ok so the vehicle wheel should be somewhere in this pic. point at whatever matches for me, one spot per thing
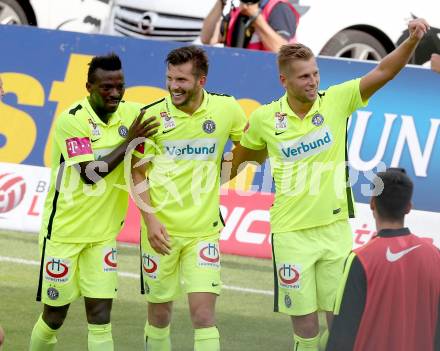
(12, 13)
(354, 44)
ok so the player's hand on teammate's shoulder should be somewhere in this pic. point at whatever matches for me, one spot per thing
(157, 235)
(418, 28)
(145, 129)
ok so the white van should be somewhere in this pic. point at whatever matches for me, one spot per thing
(159, 19)
(76, 15)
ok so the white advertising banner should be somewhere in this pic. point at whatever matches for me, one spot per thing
(422, 223)
(23, 190)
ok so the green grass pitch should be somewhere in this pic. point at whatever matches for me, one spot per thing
(244, 318)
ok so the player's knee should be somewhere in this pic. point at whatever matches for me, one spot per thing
(203, 317)
(159, 316)
(54, 317)
(306, 326)
(98, 316)
(98, 310)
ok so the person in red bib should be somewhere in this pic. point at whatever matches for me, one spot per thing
(255, 24)
(390, 295)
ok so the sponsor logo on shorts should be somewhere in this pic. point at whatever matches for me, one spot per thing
(287, 301)
(150, 265)
(208, 255)
(52, 293)
(56, 270)
(289, 275)
(110, 262)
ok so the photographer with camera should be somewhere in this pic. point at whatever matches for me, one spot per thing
(255, 24)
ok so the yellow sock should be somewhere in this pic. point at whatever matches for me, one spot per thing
(43, 337)
(157, 339)
(206, 339)
(100, 337)
(303, 344)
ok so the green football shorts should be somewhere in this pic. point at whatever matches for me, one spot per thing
(73, 270)
(192, 266)
(308, 265)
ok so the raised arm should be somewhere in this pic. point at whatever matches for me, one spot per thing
(391, 64)
(210, 33)
(278, 29)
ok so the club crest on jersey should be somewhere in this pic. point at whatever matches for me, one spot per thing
(208, 255)
(168, 121)
(289, 275)
(95, 129)
(123, 131)
(56, 270)
(280, 121)
(110, 259)
(317, 119)
(287, 301)
(209, 126)
(52, 293)
(150, 265)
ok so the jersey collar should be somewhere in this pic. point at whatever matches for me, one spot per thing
(285, 107)
(175, 112)
(387, 233)
(114, 118)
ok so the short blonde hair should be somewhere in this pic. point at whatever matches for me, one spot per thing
(292, 52)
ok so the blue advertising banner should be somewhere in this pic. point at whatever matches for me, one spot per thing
(45, 71)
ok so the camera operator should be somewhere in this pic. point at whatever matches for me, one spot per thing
(255, 24)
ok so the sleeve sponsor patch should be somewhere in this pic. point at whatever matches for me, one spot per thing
(78, 146)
